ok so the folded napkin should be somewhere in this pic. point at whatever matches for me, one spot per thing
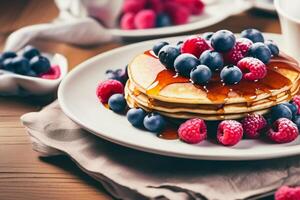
(131, 174)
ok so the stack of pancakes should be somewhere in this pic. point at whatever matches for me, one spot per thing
(154, 88)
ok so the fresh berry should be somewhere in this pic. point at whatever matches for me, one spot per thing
(253, 125)
(193, 131)
(167, 55)
(118, 74)
(287, 193)
(283, 131)
(296, 100)
(260, 51)
(238, 52)
(40, 64)
(8, 54)
(281, 111)
(145, 19)
(229, 132)
(154, 122)
(273, 47)
(179, 14)
(157, 47)
(117, 103)
(136, 116)
(253, 34)
(163, 20)
(254, 68)
(292, 106)
(107, 88)
(194, 45)
(53, 73)
(212, 59)
(296, 120)
(7, 64)
(31, 73)
(223, 41)
(195, 7)
(133, 6)
(231, 74)
(20, 65)
(201, 74)
(207, 36)
(184, 64)
(154, 5)
(30, 51)
(127, 21)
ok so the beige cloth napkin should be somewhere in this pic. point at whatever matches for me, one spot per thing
(131, 174)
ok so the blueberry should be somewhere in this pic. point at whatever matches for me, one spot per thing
(117, 103)
(253, 34)
(20, 65)
(281, 111)
(231, 74)
(273, 47)
(185, 63)
(207, 36)
(223, 40)
(31, 73)
(297, 121)
(292, 106)
(260, 51)
(30, 51)
(7, 64)
(163, 20)
(179, 45)
(154, 122)
(8, 54)
(201, 74)
(119, 75)
(40, 64)
(167, 55)
(157, 47)
(212, 59)
(136, 116)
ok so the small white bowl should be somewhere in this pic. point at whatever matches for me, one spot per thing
(12, 84)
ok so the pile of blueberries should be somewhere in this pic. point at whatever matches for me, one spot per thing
(288, 110)
(28, 61)
(206, 55)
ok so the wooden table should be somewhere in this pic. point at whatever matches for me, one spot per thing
(23, 175)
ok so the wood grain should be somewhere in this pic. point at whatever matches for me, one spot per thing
(23, 175)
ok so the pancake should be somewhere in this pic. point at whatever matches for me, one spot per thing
(152, 79)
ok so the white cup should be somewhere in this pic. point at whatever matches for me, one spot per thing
(289, 15)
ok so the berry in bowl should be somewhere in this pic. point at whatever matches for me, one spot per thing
(30, 72)
(241, 87)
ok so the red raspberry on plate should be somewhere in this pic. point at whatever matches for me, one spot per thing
(283, 131)
(254, 68)
(107, 88)
(155, 5)
(127, 21)
(145, 19)
(296, 100)
(287, 193)
(53, 73)
(193, 131)
(179, 14)
(229, 132)
(238, 52)
(195, 7)
(253, 125)
(195, 45)
(133, 6)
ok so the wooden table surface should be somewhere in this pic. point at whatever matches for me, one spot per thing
(23, 175)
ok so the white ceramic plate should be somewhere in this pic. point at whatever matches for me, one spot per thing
(266, 5)
(215, 11)
(78, 100)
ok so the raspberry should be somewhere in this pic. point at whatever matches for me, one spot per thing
(283, 131)
(257, 69)
(178, 14)
(155, 5)
(145, 19)
(253, 125)
(238, 52)
(54, 73)
(107, 88)
(133, 6)
(287, 193)
(296, 100)
(194, 45)
(193, 131)
(229, 132)
(127, 21)
(195, 7)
